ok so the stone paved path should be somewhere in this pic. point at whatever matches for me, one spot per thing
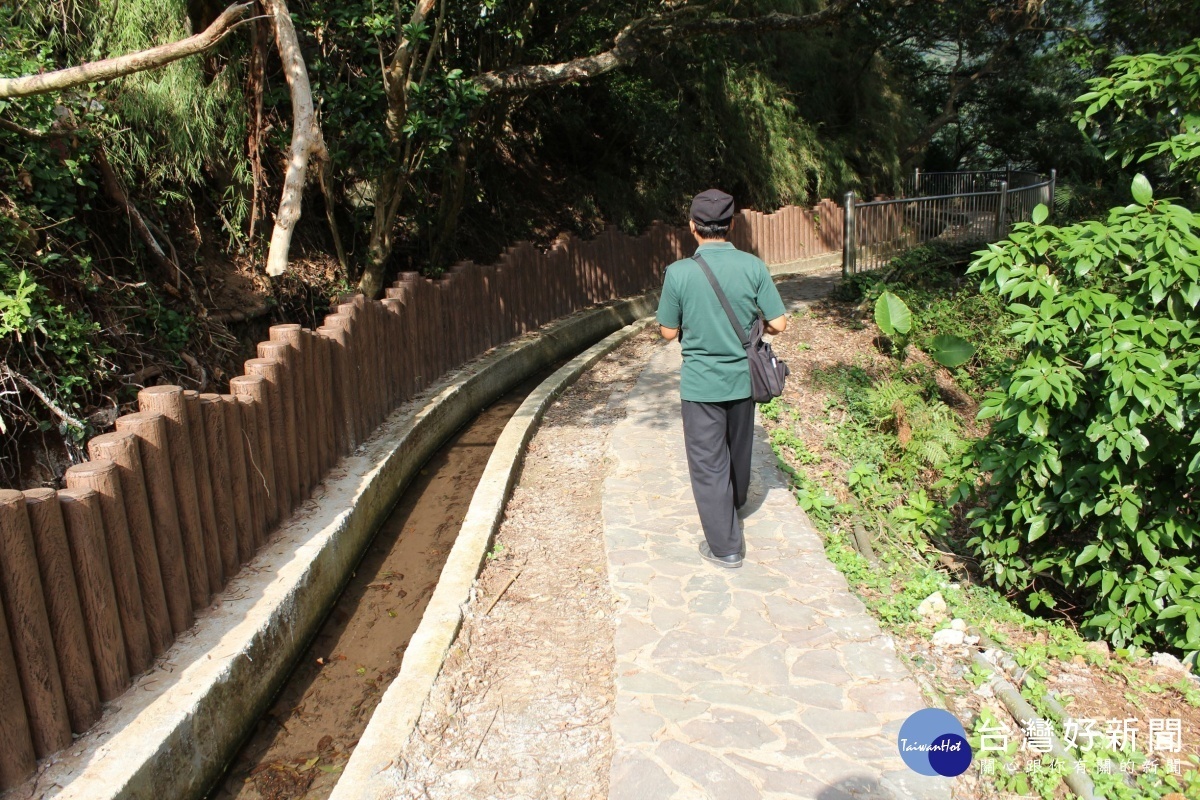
(771, 681)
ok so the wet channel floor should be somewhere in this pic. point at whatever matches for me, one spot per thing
(301, 743)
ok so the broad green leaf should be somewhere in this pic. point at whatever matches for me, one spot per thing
(1037, 528)
(892, 315)
(1142, 193)
(949, 350)
(1040, 213)
(1129, 515)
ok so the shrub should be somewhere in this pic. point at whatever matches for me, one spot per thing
(1095, 443)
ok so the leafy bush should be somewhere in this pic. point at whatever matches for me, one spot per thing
(1095, 444)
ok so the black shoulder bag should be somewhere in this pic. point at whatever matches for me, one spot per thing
(767, 372)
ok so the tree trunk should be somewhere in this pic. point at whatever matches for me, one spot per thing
(306, 136)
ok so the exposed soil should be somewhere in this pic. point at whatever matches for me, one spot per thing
(302, 742)
(521, 707)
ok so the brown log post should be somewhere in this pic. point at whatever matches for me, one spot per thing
(29, 626)
(356, 332)
(306, 452)
(121, 448)
(154, 448)
(288, 458)
(339, 336)
(204, 490)
(63, 612)
(255, 478)
(243, 510)
(102, 477)
(406, 288)
(254, 388)
(393, 339)
(17, 759)
(317, 469)
(168, 401)
(381, 358)
(392, 311)
(97, 598)
(294, 410)
(329, 335)
(368, 373)
(218, 468)
(316, 347)
(447, 329)
(269, 370)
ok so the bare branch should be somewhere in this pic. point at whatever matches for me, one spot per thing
(639, 35)
(109, 68)
(45, 398)
(30, 133)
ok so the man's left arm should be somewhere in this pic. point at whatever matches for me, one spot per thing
(669, 313)
(770, 303)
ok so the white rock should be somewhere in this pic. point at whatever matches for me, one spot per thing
(1167, 660)
(984, 691)
(971, 640)
(462, 779)
(948, 638)
(933, 605)
(958, 625)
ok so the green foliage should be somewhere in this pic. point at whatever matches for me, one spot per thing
(1095, 439)
(1154, 111)
(56, 348)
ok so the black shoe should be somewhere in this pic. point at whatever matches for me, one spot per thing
(732, 561)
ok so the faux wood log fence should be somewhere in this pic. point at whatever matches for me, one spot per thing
(97, 580)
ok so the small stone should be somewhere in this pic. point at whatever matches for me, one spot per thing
(1167, 660)
(948, 638)
(932, 606)
(461, 779)
(971, 640)
(958, 624)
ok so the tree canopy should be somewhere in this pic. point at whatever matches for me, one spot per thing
(441, 131)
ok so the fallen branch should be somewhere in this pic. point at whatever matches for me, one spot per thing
(143, 375)
(500, 594)
(17, 377)
(109, 68)
(118, 195)
(240, 316)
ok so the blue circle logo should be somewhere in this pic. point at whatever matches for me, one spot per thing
(933, 742)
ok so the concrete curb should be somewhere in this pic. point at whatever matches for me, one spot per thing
(173, 732)
(803, 266)
(372, 771)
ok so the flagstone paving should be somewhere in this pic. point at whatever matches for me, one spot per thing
(769, 681)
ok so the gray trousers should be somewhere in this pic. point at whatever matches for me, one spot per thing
(719, 438)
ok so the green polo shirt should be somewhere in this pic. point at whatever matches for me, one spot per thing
(714, 362)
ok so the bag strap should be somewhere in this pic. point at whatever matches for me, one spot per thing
(737, 326)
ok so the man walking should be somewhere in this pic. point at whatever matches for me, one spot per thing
(714, 384)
